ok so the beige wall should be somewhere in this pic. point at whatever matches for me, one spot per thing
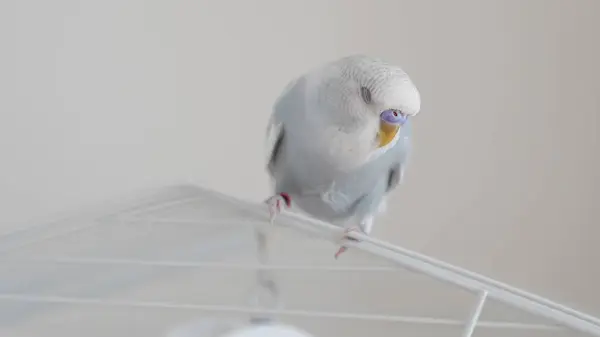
(98, 98)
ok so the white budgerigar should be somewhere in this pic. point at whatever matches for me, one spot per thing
(339, 140)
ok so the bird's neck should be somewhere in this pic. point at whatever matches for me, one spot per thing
(345, 146)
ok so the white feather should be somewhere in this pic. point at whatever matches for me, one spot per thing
(331, 132)
(341, 124)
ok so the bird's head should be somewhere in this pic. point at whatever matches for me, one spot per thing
(365, 90)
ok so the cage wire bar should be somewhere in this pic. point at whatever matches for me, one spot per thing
(479, 284)
(485, 288)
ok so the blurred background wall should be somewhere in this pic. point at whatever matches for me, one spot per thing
(101, 98)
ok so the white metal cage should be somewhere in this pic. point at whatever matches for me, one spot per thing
(176, 257)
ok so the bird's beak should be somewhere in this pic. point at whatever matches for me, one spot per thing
(387, 132)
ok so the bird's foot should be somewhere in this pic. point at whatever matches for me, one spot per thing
(346, 237)
(276, 203)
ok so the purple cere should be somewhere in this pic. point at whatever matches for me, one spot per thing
(394, 117)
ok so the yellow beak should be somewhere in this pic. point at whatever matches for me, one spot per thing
(387, 132)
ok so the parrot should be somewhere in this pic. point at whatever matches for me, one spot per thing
(339, 139)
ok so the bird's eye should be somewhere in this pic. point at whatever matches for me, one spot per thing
(395, 113)
(366, 94)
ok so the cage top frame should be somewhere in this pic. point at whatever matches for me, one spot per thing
(486, 288)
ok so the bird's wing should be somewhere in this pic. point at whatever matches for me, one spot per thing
(286, 111)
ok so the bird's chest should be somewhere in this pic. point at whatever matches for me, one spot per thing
(335, 193)
(335, 148)
(330, 191)
(331, 201)
(330, 179)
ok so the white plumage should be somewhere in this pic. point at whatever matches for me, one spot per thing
(328, 150)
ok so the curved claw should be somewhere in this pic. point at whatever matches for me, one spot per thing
(275, 204)
(340, 251)
(345, 237)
